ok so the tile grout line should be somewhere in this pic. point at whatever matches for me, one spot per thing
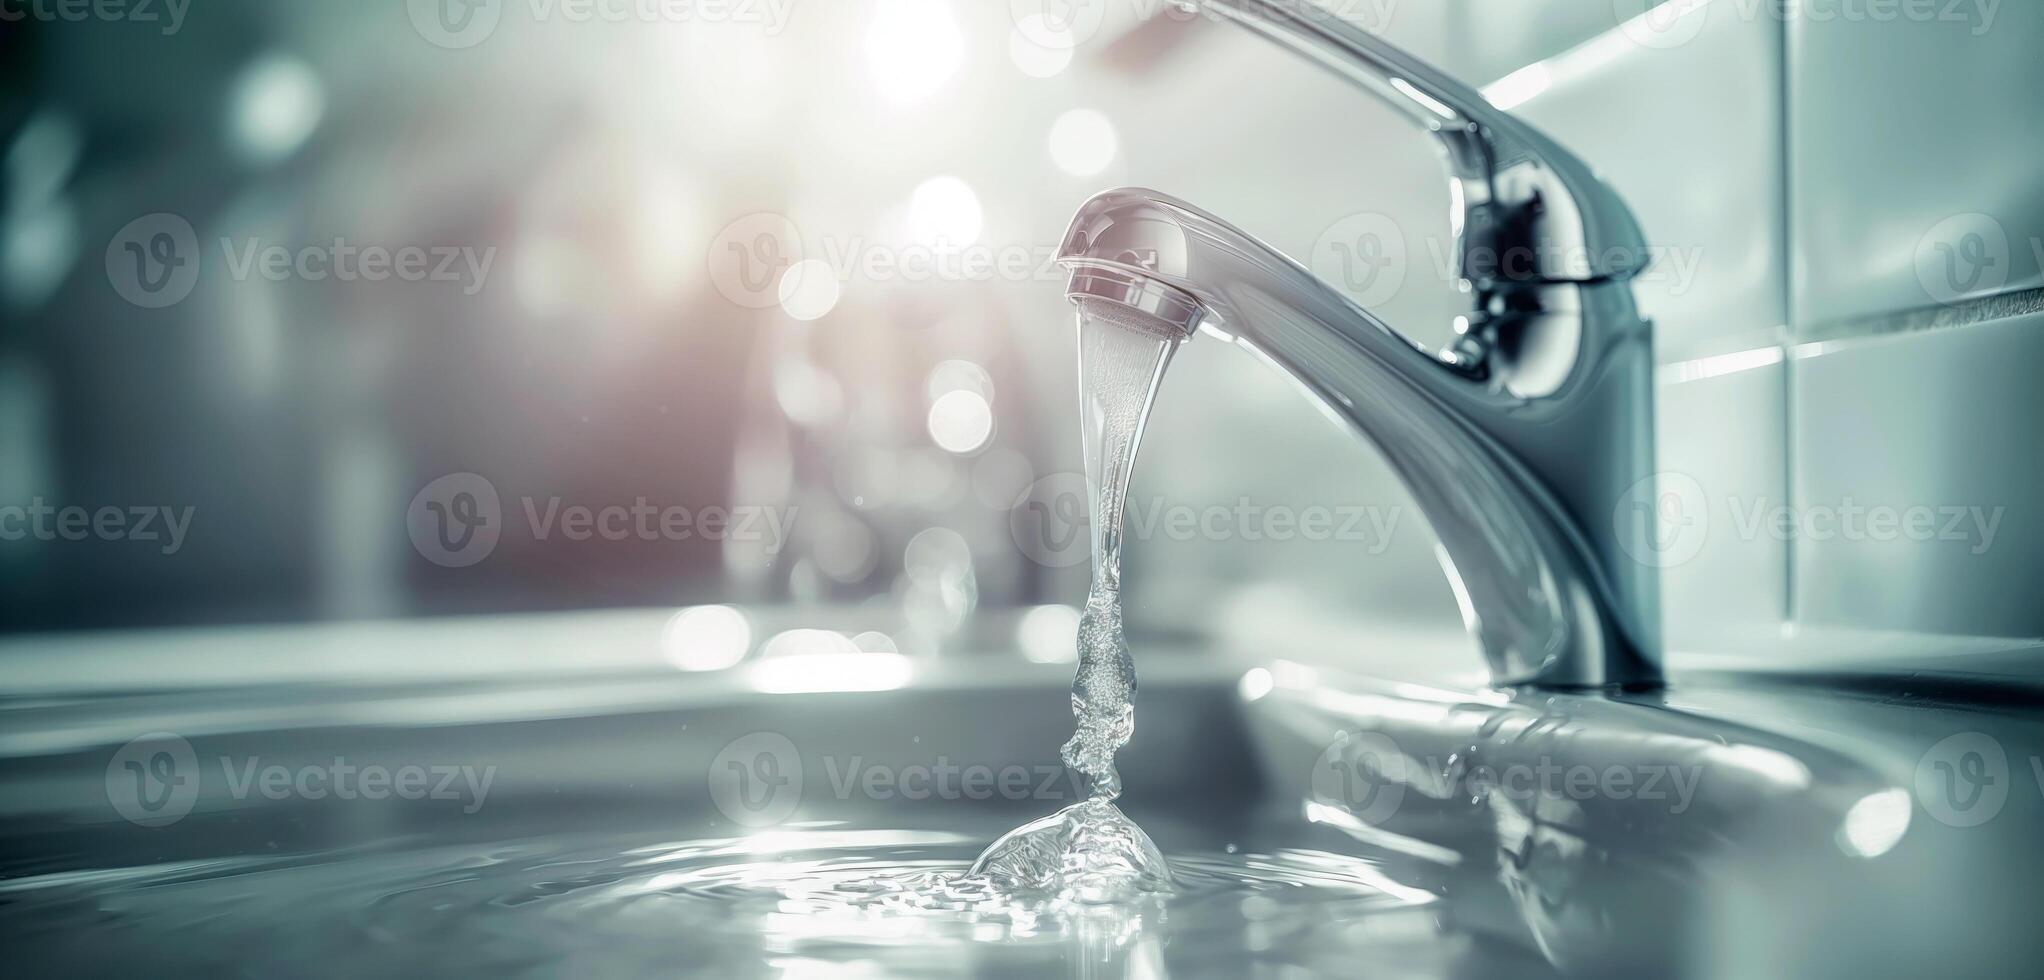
(1786, 230)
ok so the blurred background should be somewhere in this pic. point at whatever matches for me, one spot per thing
(792, 263)
(419, 309)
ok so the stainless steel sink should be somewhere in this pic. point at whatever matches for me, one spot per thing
(1725, 826)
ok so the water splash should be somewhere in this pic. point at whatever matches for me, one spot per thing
(1088, 853)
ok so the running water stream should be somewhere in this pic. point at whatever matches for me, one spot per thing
(1090, 852)
(1088, 857)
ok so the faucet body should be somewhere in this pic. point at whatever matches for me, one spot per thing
(1529, 443)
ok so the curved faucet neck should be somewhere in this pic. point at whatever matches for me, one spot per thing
(1529, 443)
(1528, 493)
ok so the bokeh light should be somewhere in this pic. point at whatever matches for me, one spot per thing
(706, 638)
(961, 422)
(1083, 142)
(945, 211)
(276, 105)
(809, 290)
(1049, 634)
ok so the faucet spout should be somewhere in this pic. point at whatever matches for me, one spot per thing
(1529, 444)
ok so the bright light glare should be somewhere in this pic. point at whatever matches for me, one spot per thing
(813, 673)
(809, 290)
(1049, 635)
(961, 422)
(706, 638)
(1257, 683)
(912, 48)
(1876, 823)
(277, 103)
(1041, 48)
(1770, 764)
(1515, 89)
(809, 661)
(945, 211)
(1083, 142)
(1717, 366)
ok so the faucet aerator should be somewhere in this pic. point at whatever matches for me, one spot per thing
(1135, 302)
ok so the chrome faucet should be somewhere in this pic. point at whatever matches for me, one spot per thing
(1529, 442)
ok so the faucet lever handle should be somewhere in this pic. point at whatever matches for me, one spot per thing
(1529, 211)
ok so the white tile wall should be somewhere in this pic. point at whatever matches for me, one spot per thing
(1916, 192)
(1902, 128)
(1486, 39)
(1724, 432)
(1690, 134)
(1932, 434)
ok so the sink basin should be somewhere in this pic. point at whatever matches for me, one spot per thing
(617, 816)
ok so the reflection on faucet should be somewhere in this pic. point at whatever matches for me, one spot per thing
(1523, 443)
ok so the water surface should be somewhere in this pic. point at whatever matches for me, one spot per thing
(823, 901)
